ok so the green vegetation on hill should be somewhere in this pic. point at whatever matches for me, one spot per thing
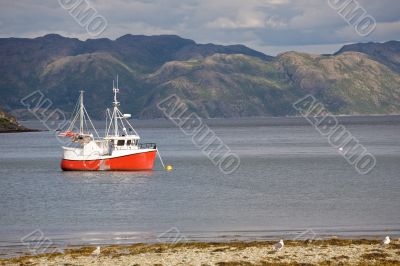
(214, 80)
(8, 123)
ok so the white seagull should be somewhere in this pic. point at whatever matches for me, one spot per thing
(386, 241)
(341, 149)
(96, 252)
(278, 246)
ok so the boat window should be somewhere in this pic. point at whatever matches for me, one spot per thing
(121, 142)
(128, 142)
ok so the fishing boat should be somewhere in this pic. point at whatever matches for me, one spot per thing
(119, 150)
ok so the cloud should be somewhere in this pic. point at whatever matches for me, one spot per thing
(263, 24)
(247, 21)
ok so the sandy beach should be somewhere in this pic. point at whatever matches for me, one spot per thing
(318, 252)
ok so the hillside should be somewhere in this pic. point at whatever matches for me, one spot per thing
(387, 53)
(239, 85)
(214, 80)
(8, 123)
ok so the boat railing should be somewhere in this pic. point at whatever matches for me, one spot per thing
(147, 146)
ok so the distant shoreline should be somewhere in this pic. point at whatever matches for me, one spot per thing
(21, 131)
(248, 121)
(295, 252)
(9, 124)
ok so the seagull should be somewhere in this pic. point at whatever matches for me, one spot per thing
(386, 241)
(278, 246)
(341, 149)
(96, 252)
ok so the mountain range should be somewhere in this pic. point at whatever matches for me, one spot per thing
(213, 80)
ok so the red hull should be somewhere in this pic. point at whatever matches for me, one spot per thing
(133, 162)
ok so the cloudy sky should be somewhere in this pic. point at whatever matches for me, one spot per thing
(271, 26)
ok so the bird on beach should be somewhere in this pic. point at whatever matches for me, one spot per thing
(96, 252)
(278, 246)
(386, 241)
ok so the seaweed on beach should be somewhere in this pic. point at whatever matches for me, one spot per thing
(374, 255)
(295, 253)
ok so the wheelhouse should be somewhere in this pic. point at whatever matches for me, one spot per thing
(124, 142)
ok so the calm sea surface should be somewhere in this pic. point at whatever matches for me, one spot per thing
(290, 181)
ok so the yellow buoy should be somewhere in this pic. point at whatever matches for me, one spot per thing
(169, 167)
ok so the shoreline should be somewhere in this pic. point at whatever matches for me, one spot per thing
(250, 121)
(21, 131)
(332, 251)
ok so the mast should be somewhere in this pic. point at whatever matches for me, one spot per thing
(81, 113)
(115, 112)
